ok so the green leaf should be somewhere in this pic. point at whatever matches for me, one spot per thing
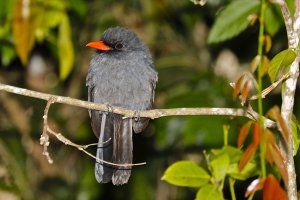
(273, 20)
(232, 20)
(248, 171)
(50, 15)
(209, 192)
(186, 173)
(7, 55)
(280, 63)
(234, 153)
(295, 126)
(65, 48)
(219, 166)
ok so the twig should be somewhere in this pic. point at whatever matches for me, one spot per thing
(44, 140)
(66, 141)
(269, 89)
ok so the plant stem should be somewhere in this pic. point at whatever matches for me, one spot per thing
(259, 89)
(231, 185)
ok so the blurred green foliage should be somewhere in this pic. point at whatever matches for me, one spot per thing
(55, 61)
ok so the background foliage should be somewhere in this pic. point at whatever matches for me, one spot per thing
(46, 51)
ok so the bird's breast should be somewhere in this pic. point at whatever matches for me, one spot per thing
(126, 84)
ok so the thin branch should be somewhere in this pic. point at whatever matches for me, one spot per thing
(297, 17)
(66, 141)
(44, 139)
(269, 89)
(127, 113)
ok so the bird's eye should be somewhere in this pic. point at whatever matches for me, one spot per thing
(119, 46)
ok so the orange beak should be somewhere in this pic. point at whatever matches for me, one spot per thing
(99, 45)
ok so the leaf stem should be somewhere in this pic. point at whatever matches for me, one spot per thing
(260, 105)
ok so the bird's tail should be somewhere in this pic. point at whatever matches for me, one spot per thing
(103, 171)
(122, 150)
(115, 146)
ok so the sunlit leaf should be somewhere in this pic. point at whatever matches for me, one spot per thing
(250, 151)
(248, 171)
(232, 20)
(267, 43)
(243, 133)
(186, 173)
(234, 153)
(209, 192)
(280, 62)
(49, 15)
(65, 48)
(272, 190)
(219, 166)
(22, 30)
(254, 186)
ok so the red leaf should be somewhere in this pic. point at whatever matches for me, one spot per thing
(238, 86)
(254, 186)
(269, 141)
(283, 128)
(245, 91)
(243, 133)
(256, 134)
(247, 155)
(273, 154)
(272, 190)
(280, 162)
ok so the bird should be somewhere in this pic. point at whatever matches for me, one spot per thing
(121, 73)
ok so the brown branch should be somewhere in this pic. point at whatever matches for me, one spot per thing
(127, 113)
(269, 89)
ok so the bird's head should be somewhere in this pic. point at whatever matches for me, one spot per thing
(117, 39)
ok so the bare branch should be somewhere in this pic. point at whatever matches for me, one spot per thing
(66, 141)
(269, 89)
(155, 113)
(297, 17)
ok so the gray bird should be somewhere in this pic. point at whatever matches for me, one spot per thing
(121, 73)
